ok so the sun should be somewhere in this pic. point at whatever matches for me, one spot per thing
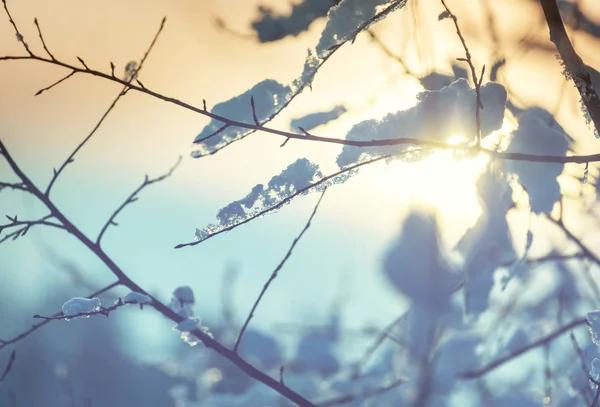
(441, 181)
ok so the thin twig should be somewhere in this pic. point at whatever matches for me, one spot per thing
(10, 185)
(39, 92)
(276, 271)
(9, 365)
(20, 37)
(473, 374)
(26, 225)
(476, 81)
(37, 25)
(4, 343)
(126, 85)
(367, 394)
(385, 333)
(132, 198)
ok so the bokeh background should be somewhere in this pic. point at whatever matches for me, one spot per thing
(335, 270)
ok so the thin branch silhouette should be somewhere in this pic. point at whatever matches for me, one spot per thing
(580, 159)
(133, 197)
(276, 272)
(473, 374)
(122, 93)
(9, 365)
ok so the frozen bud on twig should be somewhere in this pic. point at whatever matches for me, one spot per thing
(77, 306)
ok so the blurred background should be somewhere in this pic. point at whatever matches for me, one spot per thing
(331, 298)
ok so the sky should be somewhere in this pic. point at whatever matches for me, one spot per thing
(341, 254)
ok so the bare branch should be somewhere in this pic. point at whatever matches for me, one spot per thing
(25, 226)
(10, 185)
(37, 25)
(276, 271)
(39, 92)
(9, 365)
(473, 374)
(132, 198)
(348, 398)
(476, 81)
(20, 37)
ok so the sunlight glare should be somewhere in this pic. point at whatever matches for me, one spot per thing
(440, 181)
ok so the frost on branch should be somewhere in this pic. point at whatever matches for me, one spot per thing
(593, 321)
(349, 18)
(436, 116)
(488, 244)
(313, 120)
(269, 95)
(416, 267)
(295, 177)
(77, 306)
(539, 134)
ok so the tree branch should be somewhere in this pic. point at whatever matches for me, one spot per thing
(123, 279)
(132, 198)
(275, 273)
(473, 374)
(575, 68)
(126, 85)
(37, 326)
(9, 365)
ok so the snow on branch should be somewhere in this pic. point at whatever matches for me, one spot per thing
(296, 177)
(437, 115)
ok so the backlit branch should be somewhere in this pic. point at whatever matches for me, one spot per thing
(580, 159)
(275, 273)
(24, 226)
(133, 197)
(476, 80)
(473, 374)
(126, 84)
